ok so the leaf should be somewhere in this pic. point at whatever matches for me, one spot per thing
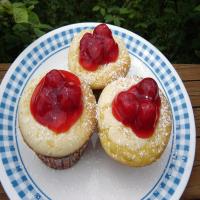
(117, 21)
(96, 8)
(18, 5)
(141, 25)
(108, 18)
(31, 7)
(1, 9)
(33, 18)
(20, 15)
(31, 2)
(44, 26)
(170, 11)
(132, 15)
(103, 11)
(197, 8)
(18, 28)
(38, 32)
(113, 9)
(5, 3)
(6, 6)
(124, 11)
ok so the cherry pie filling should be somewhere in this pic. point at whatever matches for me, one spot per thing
(57, 100)
(139, 107)
(98, 48)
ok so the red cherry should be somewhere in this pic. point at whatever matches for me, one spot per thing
(133, 90)
(44, 105)
(91, 52)
(58, 122)
(148, 89)
(111, 50)
(69, 97)
(95, 50)
(102, 30)
(85, 38)
(127, 107)
(53, 78)
(69, 78)
(146, 116)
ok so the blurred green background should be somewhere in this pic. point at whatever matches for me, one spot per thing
(173, 26)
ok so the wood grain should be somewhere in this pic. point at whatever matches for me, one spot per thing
(197, 120)
(190, 74)
(193, 89)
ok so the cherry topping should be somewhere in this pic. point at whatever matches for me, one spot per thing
(69, 97)
(138, 107)
(110, 50)
(53, 79)
(57, 100)
(98, 48)
(148, 89)
(146, 115)
(91, 52)
(128, 107)
(102, 30)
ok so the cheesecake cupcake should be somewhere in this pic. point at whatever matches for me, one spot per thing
(135, 121)
(98, 57)
(57, 116)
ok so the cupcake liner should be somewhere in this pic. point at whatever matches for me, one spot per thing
(63, 162)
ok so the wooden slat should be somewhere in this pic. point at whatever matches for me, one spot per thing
(186, 71)
(2, 73)
(3, 195)
(192, 190)
(3, 69)
(1, 189)
(4, 66)
(197, 154)
(193, 89)
(197, 121)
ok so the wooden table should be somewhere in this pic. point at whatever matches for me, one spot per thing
(190, 74)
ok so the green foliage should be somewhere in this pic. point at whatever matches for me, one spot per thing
(171, 25)
(19, 26)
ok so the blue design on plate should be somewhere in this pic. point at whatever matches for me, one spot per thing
(9, 153)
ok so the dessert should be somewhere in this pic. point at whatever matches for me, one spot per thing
(98, 57)
(57, 116)
(134, 119)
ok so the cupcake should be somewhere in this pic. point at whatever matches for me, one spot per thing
(135, 121)
(98, 57)
(57, 117)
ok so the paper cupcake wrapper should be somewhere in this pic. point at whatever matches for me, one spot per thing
(63, 162)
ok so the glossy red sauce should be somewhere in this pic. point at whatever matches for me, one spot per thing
(139, 107)
(57, 100)
(98, 48)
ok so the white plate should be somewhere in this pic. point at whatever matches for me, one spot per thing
(95, 176)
